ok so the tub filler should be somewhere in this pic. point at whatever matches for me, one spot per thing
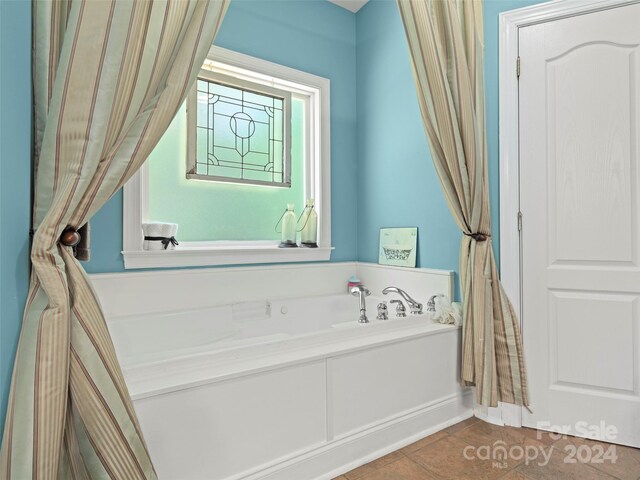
(292, 389)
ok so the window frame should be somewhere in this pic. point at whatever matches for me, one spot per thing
(315, 91)
(233, 82)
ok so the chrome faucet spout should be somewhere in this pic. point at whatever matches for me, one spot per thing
(414, 306)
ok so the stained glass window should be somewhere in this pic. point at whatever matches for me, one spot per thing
(241, 133)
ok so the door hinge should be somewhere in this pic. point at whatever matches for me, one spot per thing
(518, 67)
(519, 221)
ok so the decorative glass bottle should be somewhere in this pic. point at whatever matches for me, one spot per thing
(288, 228)
(309, 219)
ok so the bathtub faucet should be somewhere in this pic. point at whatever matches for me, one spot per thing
(414, 307)
(362, 292)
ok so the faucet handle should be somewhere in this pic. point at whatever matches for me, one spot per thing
(382, 311)
(431, 304)
(400, 309)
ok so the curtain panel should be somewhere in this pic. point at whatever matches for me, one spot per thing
(108, 78)
(446, 46)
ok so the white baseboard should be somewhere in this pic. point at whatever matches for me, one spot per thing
(505, 414)
(344, 454)
(491, 415)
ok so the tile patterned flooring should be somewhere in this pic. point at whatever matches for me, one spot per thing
(441, 457)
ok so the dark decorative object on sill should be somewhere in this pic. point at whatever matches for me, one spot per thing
(165, 241)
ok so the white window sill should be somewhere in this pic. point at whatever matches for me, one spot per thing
(199, 256)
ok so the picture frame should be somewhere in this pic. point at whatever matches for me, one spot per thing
(398, 246)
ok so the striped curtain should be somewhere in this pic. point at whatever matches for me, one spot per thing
(446, 43)
(109, 76)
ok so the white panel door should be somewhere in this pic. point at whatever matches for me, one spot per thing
(579, 178)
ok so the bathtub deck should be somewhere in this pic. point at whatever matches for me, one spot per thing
(440, 457)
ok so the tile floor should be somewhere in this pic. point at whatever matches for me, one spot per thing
(441, 456)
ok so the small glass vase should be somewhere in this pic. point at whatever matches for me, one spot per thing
(289, 222)
(309, 220)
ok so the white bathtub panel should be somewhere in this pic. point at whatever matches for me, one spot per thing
(340, 456)
(376, 384)
(218, 430)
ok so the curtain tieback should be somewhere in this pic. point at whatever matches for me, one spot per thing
(70, 237)
(165, 241)
(478, 237)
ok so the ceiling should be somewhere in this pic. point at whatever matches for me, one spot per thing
(351, 5)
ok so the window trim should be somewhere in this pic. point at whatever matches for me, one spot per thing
(316, 91)
(216, 77)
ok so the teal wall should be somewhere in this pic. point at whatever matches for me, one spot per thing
(397, 186)
(397, 183)
(310, 35)
(382, 168)
(15, 183)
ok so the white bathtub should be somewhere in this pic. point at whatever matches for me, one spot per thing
(238, 325)
(230, 392)
(292, 389)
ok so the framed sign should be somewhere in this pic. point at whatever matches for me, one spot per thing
(398, 246)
